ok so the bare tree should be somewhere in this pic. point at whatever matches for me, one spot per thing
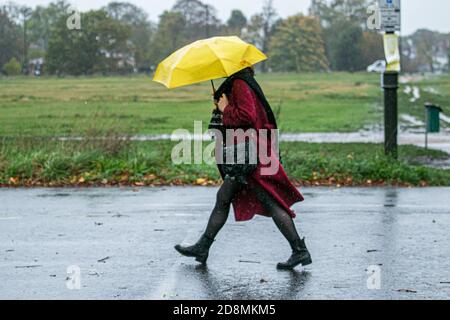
(201, 19)
(269, 17)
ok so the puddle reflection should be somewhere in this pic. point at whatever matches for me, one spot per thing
(284, 285)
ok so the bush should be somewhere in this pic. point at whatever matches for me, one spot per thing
(12, 68)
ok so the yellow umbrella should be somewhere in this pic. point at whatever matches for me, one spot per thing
(208, 59)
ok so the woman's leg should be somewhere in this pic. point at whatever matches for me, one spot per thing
(282, 219)
(219, 215)
(286, 225)
(217, 220)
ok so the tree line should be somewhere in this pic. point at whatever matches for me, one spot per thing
(120, 37)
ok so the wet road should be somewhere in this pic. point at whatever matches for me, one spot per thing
(122, 241)
(437, 141)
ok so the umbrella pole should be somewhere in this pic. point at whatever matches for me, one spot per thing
(214, 93)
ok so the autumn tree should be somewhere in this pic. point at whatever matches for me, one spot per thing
(10, 39)
(200, 19)
(142, 30)
(329, 12)
(371, 48)
(261, 27)
(344, 46)
(100, 46)
(427, 48)
(236, 23)
(42, 20)
(425, 51)
(348, 46)
(298, 46)
(169, 36)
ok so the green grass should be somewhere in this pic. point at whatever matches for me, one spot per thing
(440, 84)
(67, 107)
(114, 107)
(37, 163)
(335, 102)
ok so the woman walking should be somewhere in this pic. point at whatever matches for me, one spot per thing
(244, 106)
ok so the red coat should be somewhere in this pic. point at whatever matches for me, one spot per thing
(246, 110)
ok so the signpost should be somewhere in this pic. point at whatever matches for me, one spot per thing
(390, 15)
(390, 22)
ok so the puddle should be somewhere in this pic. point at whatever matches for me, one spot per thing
(56, 195)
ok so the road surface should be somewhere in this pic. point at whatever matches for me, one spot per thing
(118, 244)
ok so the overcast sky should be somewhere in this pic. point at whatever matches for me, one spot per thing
(431, 14)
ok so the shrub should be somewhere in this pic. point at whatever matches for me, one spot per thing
(12, 68)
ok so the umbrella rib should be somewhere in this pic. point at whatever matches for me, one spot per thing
(180, 57)
(220, 60)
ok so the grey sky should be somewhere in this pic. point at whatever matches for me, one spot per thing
(431, 14)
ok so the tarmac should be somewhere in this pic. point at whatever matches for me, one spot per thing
(117, 243)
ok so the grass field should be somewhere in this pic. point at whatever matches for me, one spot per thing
(337, 102)
(434, 89)
(114, 107)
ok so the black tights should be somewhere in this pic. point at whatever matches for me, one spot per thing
(221, 211)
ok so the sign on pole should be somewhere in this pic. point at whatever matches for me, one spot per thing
(392, 52)
(390, 15)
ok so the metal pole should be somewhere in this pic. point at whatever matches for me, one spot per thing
(390, 86)
(26, 12)
(426, 129)
(25, 51)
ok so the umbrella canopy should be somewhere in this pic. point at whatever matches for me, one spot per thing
(208, 59)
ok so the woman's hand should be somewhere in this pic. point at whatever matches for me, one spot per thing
(223, 103)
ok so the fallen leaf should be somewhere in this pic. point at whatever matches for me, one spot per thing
(406, 290)
(150, 177)
(103, 260)
(14, 180)
(247, 261)
(200, 181)
(28, 267)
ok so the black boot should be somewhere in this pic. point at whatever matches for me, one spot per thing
(200, 250)
(300, 255)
